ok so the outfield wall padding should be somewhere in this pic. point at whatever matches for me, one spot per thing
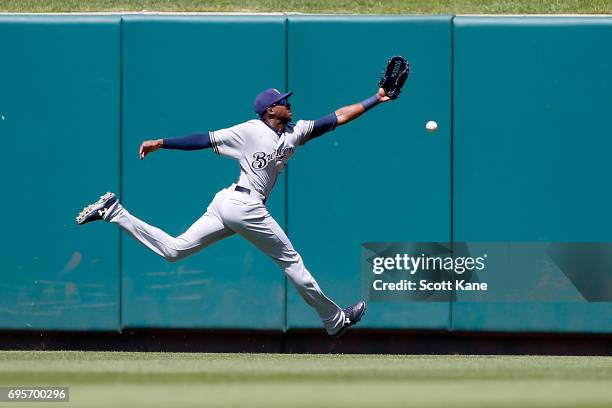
(522, 105)
(532, 133)
(381, 178)
(59, 124)
(183, 75)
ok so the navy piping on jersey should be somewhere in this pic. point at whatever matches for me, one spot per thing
(308, 132)
(214, 142)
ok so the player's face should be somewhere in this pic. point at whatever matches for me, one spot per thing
(282, 110)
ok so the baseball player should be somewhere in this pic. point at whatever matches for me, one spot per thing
(262, 147)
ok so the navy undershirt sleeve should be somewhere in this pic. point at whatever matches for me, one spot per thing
(194, 141)
(323, 125)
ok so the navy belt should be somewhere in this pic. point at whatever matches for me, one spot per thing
(245, 191)
(242, 189)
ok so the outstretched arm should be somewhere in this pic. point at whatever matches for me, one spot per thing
(348, 113)
(195, 141)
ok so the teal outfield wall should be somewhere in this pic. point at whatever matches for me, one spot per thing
(354, 184)
(532, 130)
(520, 155)
(60, 128)
(179, 77)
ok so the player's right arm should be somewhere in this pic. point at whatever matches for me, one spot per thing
(194, 141)
(225, 142)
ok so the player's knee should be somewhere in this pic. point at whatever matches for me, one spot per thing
(178, 250)
(173, 255)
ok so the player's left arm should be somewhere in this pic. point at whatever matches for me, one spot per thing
(351, 112)
(346, 114)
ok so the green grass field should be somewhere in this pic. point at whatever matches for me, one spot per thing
(318, 6)
(272, 380)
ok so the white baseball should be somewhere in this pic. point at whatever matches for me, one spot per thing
(431, 126)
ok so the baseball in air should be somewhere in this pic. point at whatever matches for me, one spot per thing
(431, 126)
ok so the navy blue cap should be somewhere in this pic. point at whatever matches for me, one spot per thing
(267, 98)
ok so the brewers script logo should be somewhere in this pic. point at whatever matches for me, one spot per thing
(262, 159)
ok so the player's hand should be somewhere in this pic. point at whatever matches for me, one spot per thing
(382, 97)
(149, 146)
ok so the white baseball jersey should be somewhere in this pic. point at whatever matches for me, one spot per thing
(261, 152)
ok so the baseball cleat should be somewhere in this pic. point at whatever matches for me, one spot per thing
(352, 315)
(98, 210)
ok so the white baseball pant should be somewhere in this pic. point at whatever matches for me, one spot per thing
(235, 212)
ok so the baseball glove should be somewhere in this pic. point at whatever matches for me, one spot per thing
(395, 76)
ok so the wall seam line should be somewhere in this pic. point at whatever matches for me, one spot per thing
(452, 163)
(120, 170)
(286, 26)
